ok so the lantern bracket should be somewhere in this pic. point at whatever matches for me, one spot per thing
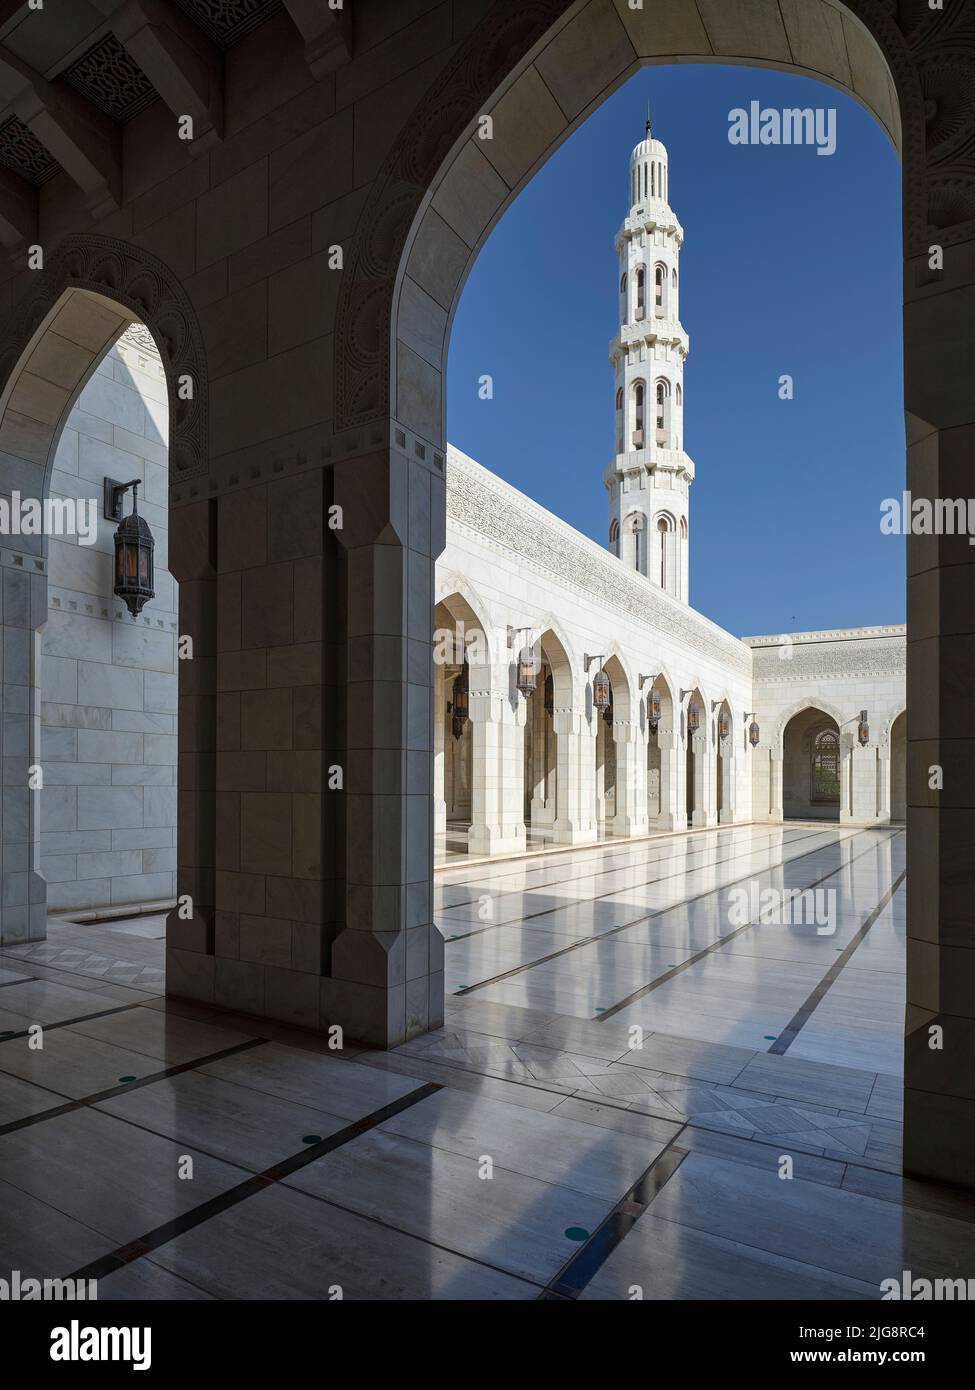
(588, 660)
(113, 493)
(513, 633)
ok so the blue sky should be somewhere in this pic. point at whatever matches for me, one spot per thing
(791, 264)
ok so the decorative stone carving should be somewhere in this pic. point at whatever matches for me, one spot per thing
(513, 523)
(111, 79)
(929, 54)
(226, 21)
(141, 283)
(21, 151)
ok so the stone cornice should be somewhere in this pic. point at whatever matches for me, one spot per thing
(494, 511)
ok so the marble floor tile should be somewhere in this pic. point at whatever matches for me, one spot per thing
(283, 1244)
(514, 1223)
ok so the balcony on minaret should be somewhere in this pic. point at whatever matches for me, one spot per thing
(638, 439)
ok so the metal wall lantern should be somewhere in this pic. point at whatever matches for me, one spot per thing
(527, 672)
(134, 546)
(526, 680)
(460, 704)
(724, 724)
(863, 729)
(693, 718)
(753, 734)
(602, 693)
(655, 708)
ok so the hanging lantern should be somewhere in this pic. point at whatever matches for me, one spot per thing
(461, 701)
(550, 694)
(601, 691)
(863, 729)
(724, 724)
(526, 671)
(134, 546)
(693, 718)
(654, 708)
(753, 734)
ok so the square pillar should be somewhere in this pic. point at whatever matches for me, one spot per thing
(497, 714)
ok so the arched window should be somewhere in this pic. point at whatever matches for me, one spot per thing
(658, 286)
(824, 779)
(662, 533)
(637, 526)
(623, 283)
(638, 407)
(673, 281)
(680, 395)
(683, 528)
(619, 399)
(660, 405)
(640, 292)
(614, 538)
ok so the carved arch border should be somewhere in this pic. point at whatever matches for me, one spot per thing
(140, 282)
(929, 56)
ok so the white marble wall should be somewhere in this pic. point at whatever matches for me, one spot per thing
(108, 681)
(508, 562)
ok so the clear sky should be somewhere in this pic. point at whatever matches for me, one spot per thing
(791, 264)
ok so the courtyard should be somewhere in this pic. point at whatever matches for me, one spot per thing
(631, 1097)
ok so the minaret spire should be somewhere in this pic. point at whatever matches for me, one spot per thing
(648, 479)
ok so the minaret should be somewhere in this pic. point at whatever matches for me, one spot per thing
(648, 479)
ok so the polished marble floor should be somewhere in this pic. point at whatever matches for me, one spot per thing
(639, 1086)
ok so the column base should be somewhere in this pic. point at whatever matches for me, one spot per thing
(565, 833)
(492, 840)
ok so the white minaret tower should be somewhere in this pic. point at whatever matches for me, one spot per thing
(649, 477)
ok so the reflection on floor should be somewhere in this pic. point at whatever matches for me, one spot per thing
(640, 1090)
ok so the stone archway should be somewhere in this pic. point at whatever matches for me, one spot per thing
(538, 70)
(91, 290)
(815, 768)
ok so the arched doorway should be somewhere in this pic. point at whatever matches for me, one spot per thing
(92, 292)
(662, 788)
(812, 767)
(458, 641)
(552, 693)
(696, 781)
(724, 763)
(898, 768)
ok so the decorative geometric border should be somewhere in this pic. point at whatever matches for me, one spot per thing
(141, 283)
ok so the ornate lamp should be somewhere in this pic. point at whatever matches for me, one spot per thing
(693, 718)
(654, 708)
(526, 671)
(460, 706)
(134, 546)
(753, 734)
(724, 724)
(601, 691)
(863, 729)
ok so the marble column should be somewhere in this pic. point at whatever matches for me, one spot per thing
(575, 780)
(631, 773)
(497, 714)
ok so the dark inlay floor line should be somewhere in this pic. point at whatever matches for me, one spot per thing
(152, 1240)
(79, 1103)
(579, 1271)
(78, 1018)
(644, 917)
(644, 990)
(610, 892)
(805, 1012)
(21, 980)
